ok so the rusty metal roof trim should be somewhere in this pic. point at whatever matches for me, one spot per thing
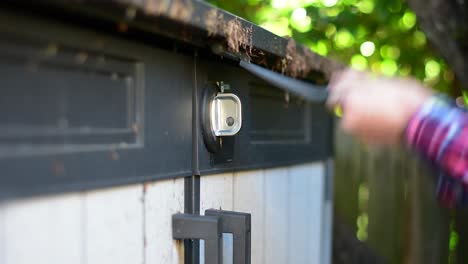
(202, 24)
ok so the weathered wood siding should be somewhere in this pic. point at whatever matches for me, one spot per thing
(287, 207)
(44, 230)
(132, 224)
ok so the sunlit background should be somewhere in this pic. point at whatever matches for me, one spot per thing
(377, 35)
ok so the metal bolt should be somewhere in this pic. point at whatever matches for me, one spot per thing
(224, 87)
(230, 121)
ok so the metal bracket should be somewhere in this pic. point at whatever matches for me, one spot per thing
(239, 225)
(208, 228)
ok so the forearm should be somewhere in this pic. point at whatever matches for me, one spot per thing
(439, 132)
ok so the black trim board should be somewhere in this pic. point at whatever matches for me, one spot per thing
(170, 87)
(166, 147)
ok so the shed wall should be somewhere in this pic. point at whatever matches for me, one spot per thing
(132, 224)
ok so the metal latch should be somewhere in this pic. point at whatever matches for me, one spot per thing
(210, 227)
(221, 114)
(238, 224)
(226, 114)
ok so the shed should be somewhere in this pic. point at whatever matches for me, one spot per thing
(106, 149)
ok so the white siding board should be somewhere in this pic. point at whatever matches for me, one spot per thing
(327, 219)
(132, 224)
(162, 200)
(316, 186)
(216, 192)
(228, 249)
(2, 235)
(249, 197)
(114, 225)
(276, 216)
(44, 230)
(299, 215)
(327, 233)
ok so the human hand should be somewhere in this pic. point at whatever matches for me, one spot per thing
(376, 109)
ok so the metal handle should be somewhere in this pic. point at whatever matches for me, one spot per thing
(239, 225)
(208, 228)
(308, 91)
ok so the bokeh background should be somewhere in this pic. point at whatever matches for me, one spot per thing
(385, 208)
(377, 35)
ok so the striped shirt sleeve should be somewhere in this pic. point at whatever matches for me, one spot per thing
(439, 132)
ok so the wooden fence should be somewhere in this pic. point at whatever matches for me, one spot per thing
(386, 199)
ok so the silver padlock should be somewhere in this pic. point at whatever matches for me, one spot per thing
(221, 115)
(226, 114)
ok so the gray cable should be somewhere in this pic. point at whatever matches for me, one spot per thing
(308, 91)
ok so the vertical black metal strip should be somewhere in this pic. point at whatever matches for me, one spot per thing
(192, 183)
(195, 141)
(329, 162)
(331, 134)
(329, 174)
(192, 206)
(195, 119)
(188, 243)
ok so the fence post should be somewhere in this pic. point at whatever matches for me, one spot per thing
(430, 221)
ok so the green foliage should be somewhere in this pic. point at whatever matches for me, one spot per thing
(362, 221)
(377, 35)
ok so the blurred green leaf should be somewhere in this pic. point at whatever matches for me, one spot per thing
(382, 36)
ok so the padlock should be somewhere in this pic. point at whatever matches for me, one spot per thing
(221, 115)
